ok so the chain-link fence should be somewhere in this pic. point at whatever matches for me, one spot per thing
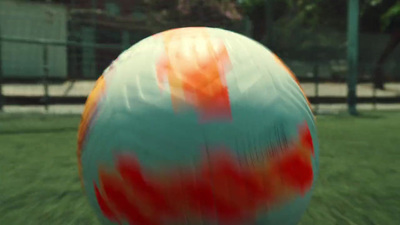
(52, 51)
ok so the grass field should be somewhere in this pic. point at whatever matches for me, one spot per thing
(359, 180)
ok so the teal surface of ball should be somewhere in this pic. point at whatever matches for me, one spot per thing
(198, 125)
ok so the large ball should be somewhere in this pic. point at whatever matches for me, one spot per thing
(198, 126)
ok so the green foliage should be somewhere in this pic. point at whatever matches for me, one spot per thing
(371, 2)
(249, 5)
(390, 14)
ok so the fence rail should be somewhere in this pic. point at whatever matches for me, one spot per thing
(46, 98)
(47, 42)
(79, 100)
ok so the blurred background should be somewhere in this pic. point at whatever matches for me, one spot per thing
(53, 50)
(345, 53)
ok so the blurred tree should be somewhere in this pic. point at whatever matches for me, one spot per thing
(290, 16)
(255, 10)
(159, 15)
(390, 22)
(193, 12)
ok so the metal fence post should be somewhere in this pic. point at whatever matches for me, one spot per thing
(352, 54)
(125, 36)
(316, 80)
(269, 23)
(247, 27)
(1, 78)
(1, 87)
(374, 97)
(46, 76)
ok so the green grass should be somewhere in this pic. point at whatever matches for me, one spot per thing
(359, 180)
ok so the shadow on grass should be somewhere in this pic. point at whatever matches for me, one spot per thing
(359, 115)
(369, 116)
(7, 117)
(38, 131)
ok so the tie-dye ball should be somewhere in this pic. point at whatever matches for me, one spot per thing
(198, 126)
